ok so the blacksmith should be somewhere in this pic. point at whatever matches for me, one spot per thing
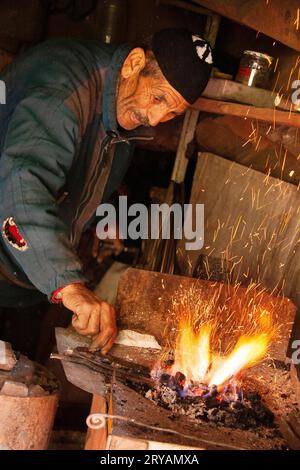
(66, 133)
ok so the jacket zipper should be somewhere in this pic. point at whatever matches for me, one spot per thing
(111, 138)
(104, 148)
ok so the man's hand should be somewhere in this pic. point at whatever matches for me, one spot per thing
(91, 316)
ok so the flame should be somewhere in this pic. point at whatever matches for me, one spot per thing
(196, 360)
(192, 355)
(246, 353)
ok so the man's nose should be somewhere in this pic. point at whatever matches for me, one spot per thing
(156, 115)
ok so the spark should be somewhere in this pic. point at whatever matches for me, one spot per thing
(268, 130)
(249, 140)
(257, 145)
(283, 163)
(216, 232)
(276, 81)
(296, 22)
(290, 77)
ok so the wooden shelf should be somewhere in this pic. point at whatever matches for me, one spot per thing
(229, 90)
(273, 116)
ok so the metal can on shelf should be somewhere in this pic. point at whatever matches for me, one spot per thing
(254, 70)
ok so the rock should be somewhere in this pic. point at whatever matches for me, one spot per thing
(36, 391)
(14, 389)
(7, 357)
(23, 371)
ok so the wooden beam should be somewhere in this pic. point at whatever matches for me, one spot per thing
(231, 91)
(261, 114)
(276, 18)
(96, 438)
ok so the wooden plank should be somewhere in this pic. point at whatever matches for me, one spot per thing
(253, 144)
(125, 443)
(128, 443)
(261, 114)
(275, 18)
(96, 438)
(229, 90)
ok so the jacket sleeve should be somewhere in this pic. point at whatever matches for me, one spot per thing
(38, 152)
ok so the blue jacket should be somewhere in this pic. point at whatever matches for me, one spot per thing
(61, 155)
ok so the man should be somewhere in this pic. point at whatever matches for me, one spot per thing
(65, 138)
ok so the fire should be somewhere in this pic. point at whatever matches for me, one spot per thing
(195, 358)
(193, 351)
(246, 353)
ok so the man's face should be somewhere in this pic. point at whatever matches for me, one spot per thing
(147, 100)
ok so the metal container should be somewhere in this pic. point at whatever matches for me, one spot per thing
(254, 70)
(111, 20)
(26, 422)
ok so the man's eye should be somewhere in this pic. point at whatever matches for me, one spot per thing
(157, 99)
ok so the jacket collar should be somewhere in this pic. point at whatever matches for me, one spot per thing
(110, 88)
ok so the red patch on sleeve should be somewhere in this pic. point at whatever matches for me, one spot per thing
(12, 234)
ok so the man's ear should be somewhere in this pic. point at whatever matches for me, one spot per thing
(134, 63)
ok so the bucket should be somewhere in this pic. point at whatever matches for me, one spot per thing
(26, 422)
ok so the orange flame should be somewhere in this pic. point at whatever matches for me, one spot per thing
(193, 356)
(247, 351)
(195, 359)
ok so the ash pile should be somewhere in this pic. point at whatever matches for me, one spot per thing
(231, 407)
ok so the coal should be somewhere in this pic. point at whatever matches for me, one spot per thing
(180, 380)
(165, 379)
(213, 407)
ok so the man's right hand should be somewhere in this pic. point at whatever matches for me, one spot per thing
(91, 316)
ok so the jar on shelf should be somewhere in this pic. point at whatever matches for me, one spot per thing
(255, 69)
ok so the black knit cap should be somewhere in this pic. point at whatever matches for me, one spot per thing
(185, 60)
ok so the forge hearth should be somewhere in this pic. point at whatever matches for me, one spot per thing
(249, 402)
(244, 410)
(231, 407)
(254, 424)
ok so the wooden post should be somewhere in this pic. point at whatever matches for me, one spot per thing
(96, 438)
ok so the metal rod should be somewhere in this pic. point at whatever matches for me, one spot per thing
(97, 416)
